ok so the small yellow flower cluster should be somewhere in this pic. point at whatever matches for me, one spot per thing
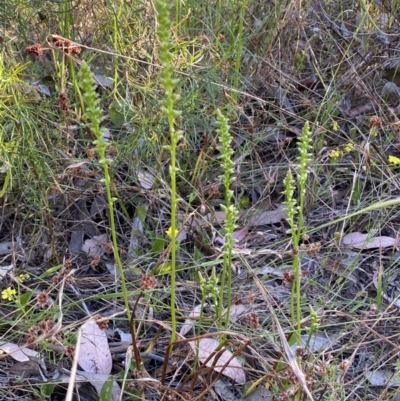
(348, 147)
(169, 233)
(394, 160)
(337, 153)
(8, 294)
(23, 277)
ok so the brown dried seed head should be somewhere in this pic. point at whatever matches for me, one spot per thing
(375, 121)
(300, 352)
(237, 300)
(42, 299)
(42, 326)
(35, 50)
(67, 263)
(69, 350)
(32, 330)
(288, 277)
(63, 101)
(148, 282)
(30, 340)
(252, 320)
(95, 262)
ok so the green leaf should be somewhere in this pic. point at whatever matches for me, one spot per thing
(141, 213)
(192, 197)
(358, 188)
(47, 390)
(119, 112)
(164, 268)
(25, 298)
(158, 244)
(106, 390)
(51, 270)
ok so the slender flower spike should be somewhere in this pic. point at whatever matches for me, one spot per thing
(304, 156)
(8, 294)
(93, 113)
(290, 200)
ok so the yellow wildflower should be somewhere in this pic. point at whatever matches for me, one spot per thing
(8, 293)
(335, 154)
(349, 147)
(394, 160)
(169, 232)
(335, 126)
(23, 277)
(374, 131)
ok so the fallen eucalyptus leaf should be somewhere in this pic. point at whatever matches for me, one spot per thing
(365, 241)
(207, 347)
(5, 269)
(189, 323)
(94, 355)
(18, 353)
(382, 378)
(95, 246)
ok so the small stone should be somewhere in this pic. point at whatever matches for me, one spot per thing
(390, 91)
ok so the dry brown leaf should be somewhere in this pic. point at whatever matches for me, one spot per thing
(234, 369)
(216, 218)
(364, 241)
(270, 216)
(382, 378)
(146, 179)
(189, 323)
(94, 353)
(237, 311)
(95, 246)
(18, 353)
(29, 369)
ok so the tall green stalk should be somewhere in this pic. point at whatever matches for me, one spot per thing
(116, 37)
(170, 98)
(218, 21)
(297, 228)
(93, 117)
(178, 12)
(231, 215)
(238, 46)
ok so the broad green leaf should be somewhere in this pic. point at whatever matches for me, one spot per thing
(158, 244)
(106, 390)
